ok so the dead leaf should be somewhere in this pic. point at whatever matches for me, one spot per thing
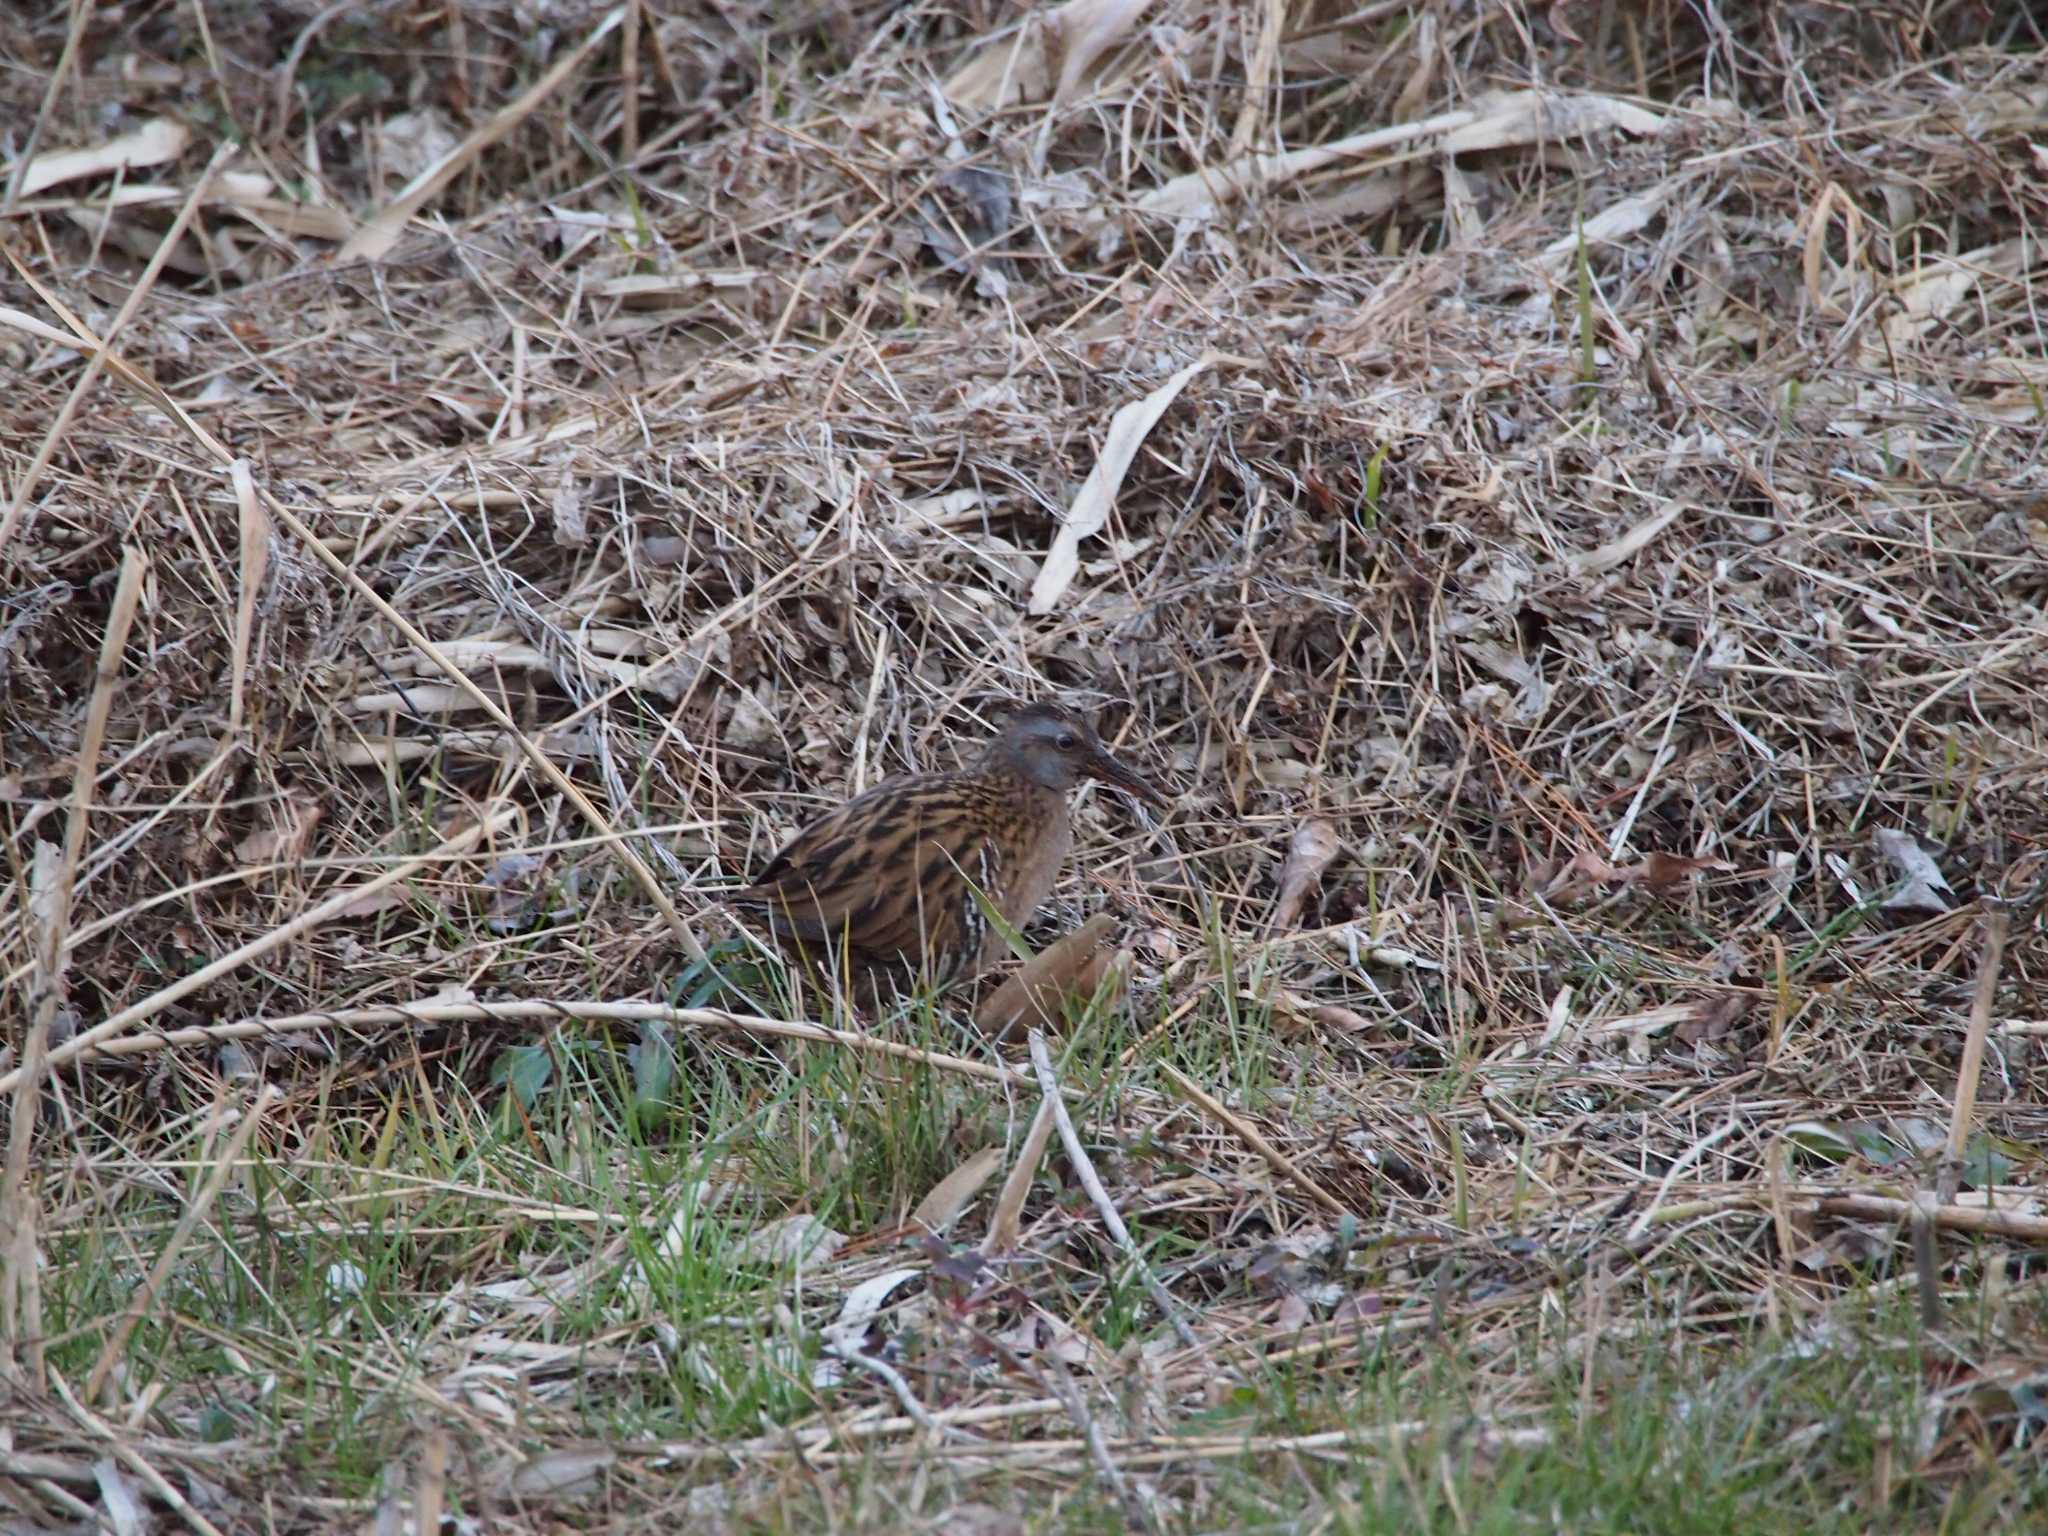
(122, 1505)
(801, 1239)
(156, 142)
(939, 1209)
(556, 1473)
(1572, 878)
(1018, 67)
(374, 903)
(1615, 551)
(1500, 121)
(848, 1332)
(1090, 511)
(1309, 852)
(1289, 1005)
(1033, 996)
(1922, 887)
(1661, 871)
(1714, 1017)
(293, 817)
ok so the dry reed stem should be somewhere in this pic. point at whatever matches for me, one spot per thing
(1243, 1129)
(53, 881)
(196, 1211)
(548, 1010)
(111, 1028)
(26, 484)
(1084, 1170)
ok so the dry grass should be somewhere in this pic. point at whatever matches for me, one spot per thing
(1605, 493)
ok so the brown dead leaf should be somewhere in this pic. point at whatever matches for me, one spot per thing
(940, 1208)
(1577, 876)
(285, 841)
(1309, 852)
(1288, 1005)
(374, 903)
(1713, 1017)
(1032, 996)
(1661, 871)
(1573, 878)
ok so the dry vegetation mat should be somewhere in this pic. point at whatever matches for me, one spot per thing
(1556, 492)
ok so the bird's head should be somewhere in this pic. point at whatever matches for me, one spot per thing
(1056, 749)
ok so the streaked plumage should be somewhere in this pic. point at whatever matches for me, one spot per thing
(892, 873)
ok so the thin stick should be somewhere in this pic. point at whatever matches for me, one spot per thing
(1956, 1218)
(98, 358)
(21, 1290)
(528, 1009)
(21, 1310)
(1006, 1226)
(629, 85)
(195, 1213)
(1056, 1376)
(1049, 1085)
(1250, 1135)
(1948, 1178)
(93, 1041)
(893, 1378)
(1679, 1164)
(1134, 1453)
(1964, 1115)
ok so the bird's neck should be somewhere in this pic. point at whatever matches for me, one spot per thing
(1009, 774)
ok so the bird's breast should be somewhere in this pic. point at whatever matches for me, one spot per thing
(1035, 863)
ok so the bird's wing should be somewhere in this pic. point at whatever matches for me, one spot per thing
(884, 871)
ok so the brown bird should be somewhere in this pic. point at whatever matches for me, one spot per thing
(892, 874)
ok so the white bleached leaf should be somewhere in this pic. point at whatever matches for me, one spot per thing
(1090, 511)
(1921, 888)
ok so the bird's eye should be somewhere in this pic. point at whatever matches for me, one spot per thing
(1066, 741)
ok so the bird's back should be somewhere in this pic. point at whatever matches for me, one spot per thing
(892, 873)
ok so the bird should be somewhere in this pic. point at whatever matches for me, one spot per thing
(892, 875)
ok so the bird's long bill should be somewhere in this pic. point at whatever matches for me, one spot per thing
(1112, 771)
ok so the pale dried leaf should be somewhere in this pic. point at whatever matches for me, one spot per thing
(863, 1304)
(1309, 852)
(1090, 511)
(1922, 886)
(560, 1472)
(800, 1239)
(156, 142)
(122, 1506)
(942, 1206)
(293, 818)
(1629, 545)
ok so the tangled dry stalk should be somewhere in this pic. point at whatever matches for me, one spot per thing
(1558, 492)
